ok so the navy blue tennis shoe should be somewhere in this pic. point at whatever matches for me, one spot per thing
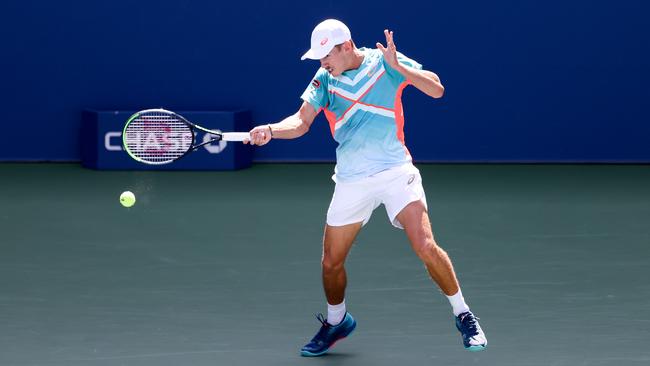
(328, 335)
(473, 336)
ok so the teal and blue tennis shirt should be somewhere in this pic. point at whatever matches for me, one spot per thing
(364, 110)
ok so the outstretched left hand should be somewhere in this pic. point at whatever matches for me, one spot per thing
(390, 51)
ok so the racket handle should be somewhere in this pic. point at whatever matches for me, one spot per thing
(235, 136)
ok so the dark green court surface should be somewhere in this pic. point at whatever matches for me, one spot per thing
(222, 268)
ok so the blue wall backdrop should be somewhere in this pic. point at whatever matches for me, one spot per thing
(542, 81)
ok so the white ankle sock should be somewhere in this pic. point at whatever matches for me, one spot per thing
(458, 303)
(335, 313)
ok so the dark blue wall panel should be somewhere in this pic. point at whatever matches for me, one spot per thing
(525, 80)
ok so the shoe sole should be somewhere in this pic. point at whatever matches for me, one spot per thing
(475, 348)
(311, 354)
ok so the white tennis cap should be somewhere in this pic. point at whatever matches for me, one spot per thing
(325, 36)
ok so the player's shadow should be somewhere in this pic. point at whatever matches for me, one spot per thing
(339, 358)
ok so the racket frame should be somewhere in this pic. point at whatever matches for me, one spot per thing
(193, 127)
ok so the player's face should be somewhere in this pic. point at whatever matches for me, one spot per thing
(334, 61)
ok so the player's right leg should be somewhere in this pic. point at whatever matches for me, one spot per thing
(351, 207)
(337, 242)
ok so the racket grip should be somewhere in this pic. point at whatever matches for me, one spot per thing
(235, 136)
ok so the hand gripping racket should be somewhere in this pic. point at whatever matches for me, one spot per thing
(158, 136)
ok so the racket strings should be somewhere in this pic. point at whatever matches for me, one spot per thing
(158, 138)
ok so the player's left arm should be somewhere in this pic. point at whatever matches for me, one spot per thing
(427, 81)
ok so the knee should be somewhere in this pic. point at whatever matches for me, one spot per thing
(331, 264)
(427, 250)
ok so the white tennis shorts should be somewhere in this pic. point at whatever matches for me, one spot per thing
(395, 187)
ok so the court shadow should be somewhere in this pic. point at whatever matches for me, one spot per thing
(340, 358)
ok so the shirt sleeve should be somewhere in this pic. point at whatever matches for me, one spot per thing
(394, 74)
(316, 92)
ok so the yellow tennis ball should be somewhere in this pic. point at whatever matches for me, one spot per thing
(127, 199)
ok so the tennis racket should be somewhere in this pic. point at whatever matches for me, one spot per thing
(158, 136)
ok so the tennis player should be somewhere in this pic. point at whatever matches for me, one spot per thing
(359, 90)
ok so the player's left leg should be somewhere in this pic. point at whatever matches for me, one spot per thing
(415, 221)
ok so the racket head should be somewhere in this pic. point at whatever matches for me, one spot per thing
(157, 136)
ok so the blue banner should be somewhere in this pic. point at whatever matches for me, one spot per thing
(101, 142)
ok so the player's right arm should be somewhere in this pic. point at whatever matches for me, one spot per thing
(291, 127)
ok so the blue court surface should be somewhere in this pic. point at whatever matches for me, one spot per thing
(223, 268)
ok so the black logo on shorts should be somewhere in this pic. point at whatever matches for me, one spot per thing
(411, 179)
